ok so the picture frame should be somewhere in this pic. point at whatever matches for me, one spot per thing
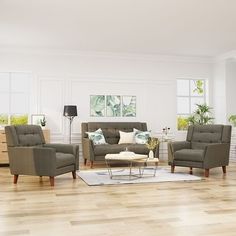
(113, 105)
(97, 105)
(129, 106)
(37, 118)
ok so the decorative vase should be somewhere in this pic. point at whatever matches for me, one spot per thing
(150, 154)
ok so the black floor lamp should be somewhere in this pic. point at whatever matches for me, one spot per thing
(70, 112)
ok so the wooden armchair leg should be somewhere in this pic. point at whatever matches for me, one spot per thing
(15, 179)
(191, 171)
(51, 178)
(85, 162)
(74, 174)
(91, 164)
(224, 169)
(207, 171)
(172, 168)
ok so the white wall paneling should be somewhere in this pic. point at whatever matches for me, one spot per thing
(51, 102)
(70, 78)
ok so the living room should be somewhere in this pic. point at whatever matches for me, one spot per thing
(57, 53)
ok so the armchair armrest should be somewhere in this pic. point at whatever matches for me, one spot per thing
(216, 154)
(88, 149)
(66, 148)
(178, 145)
(175, 146)
(32, 161)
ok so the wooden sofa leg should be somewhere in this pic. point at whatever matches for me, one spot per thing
(85, 162)
(207, 172)
(51, 178)
(15, 179)
(172, 168)
(191, 171)
(74, 174)
(91, 164)
(224, 169)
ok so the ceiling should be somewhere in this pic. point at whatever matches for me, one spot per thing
(171, 27)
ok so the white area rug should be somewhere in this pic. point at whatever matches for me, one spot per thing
(101, 177)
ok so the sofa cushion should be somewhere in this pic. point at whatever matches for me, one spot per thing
(126, 137)
(102, 150)
(64, 159)
(97, 137)
(141, 137)
(189, 155)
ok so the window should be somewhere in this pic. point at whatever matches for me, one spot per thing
(14, 98)
(189, 93)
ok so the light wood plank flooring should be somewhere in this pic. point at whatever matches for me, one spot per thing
(205, 207)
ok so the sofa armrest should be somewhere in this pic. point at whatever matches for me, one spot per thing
(32, 161)
(88, 149)
(66, 148)
(175, 146)
(216, 154)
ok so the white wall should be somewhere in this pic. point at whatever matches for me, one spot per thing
(70, 78)
(224, 89)
(219, 91)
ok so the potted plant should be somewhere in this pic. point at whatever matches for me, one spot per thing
(232, 120)
(43, 122)
(151, 145)
(201, 116)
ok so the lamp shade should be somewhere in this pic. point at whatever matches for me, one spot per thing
(70, 110)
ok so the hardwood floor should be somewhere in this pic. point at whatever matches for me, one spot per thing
(33, 207)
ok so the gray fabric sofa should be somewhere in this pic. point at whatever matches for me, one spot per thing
(30, 155)
(110, 130)
(206, 146)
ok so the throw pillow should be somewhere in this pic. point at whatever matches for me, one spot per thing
(141, 137)
(126, 137)
(97, 137)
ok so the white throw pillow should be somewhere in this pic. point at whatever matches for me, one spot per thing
(141, 137)
(126, 137)
(97, 137)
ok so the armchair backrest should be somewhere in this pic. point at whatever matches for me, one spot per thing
(24, 135)
(202, 135)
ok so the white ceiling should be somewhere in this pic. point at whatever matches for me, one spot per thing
(173, 27)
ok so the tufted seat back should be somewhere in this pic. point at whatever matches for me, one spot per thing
(25, 135)
(111, 129)
(202, 135)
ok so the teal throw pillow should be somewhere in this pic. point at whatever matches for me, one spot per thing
(97, 137)
(141, 137)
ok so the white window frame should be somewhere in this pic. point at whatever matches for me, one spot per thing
(11, 93)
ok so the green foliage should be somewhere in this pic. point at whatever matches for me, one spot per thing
(19, 120)
(199, 86)
(43, 121)
(232, 120)
(152, 143)
(201, 116)
(182, 123)
(3, 119)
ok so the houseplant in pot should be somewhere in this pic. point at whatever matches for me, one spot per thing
(151, 145)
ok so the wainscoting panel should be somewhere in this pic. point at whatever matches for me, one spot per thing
(51, 104)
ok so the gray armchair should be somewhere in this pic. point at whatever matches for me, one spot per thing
(206, 146)
(30, 155)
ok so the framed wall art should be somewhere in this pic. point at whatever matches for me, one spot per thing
(113, 105)
(129, 106)
(97, 105)
(37, 119)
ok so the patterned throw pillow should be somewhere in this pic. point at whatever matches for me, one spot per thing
(126, 137)
(97, 137)
(141, 137)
